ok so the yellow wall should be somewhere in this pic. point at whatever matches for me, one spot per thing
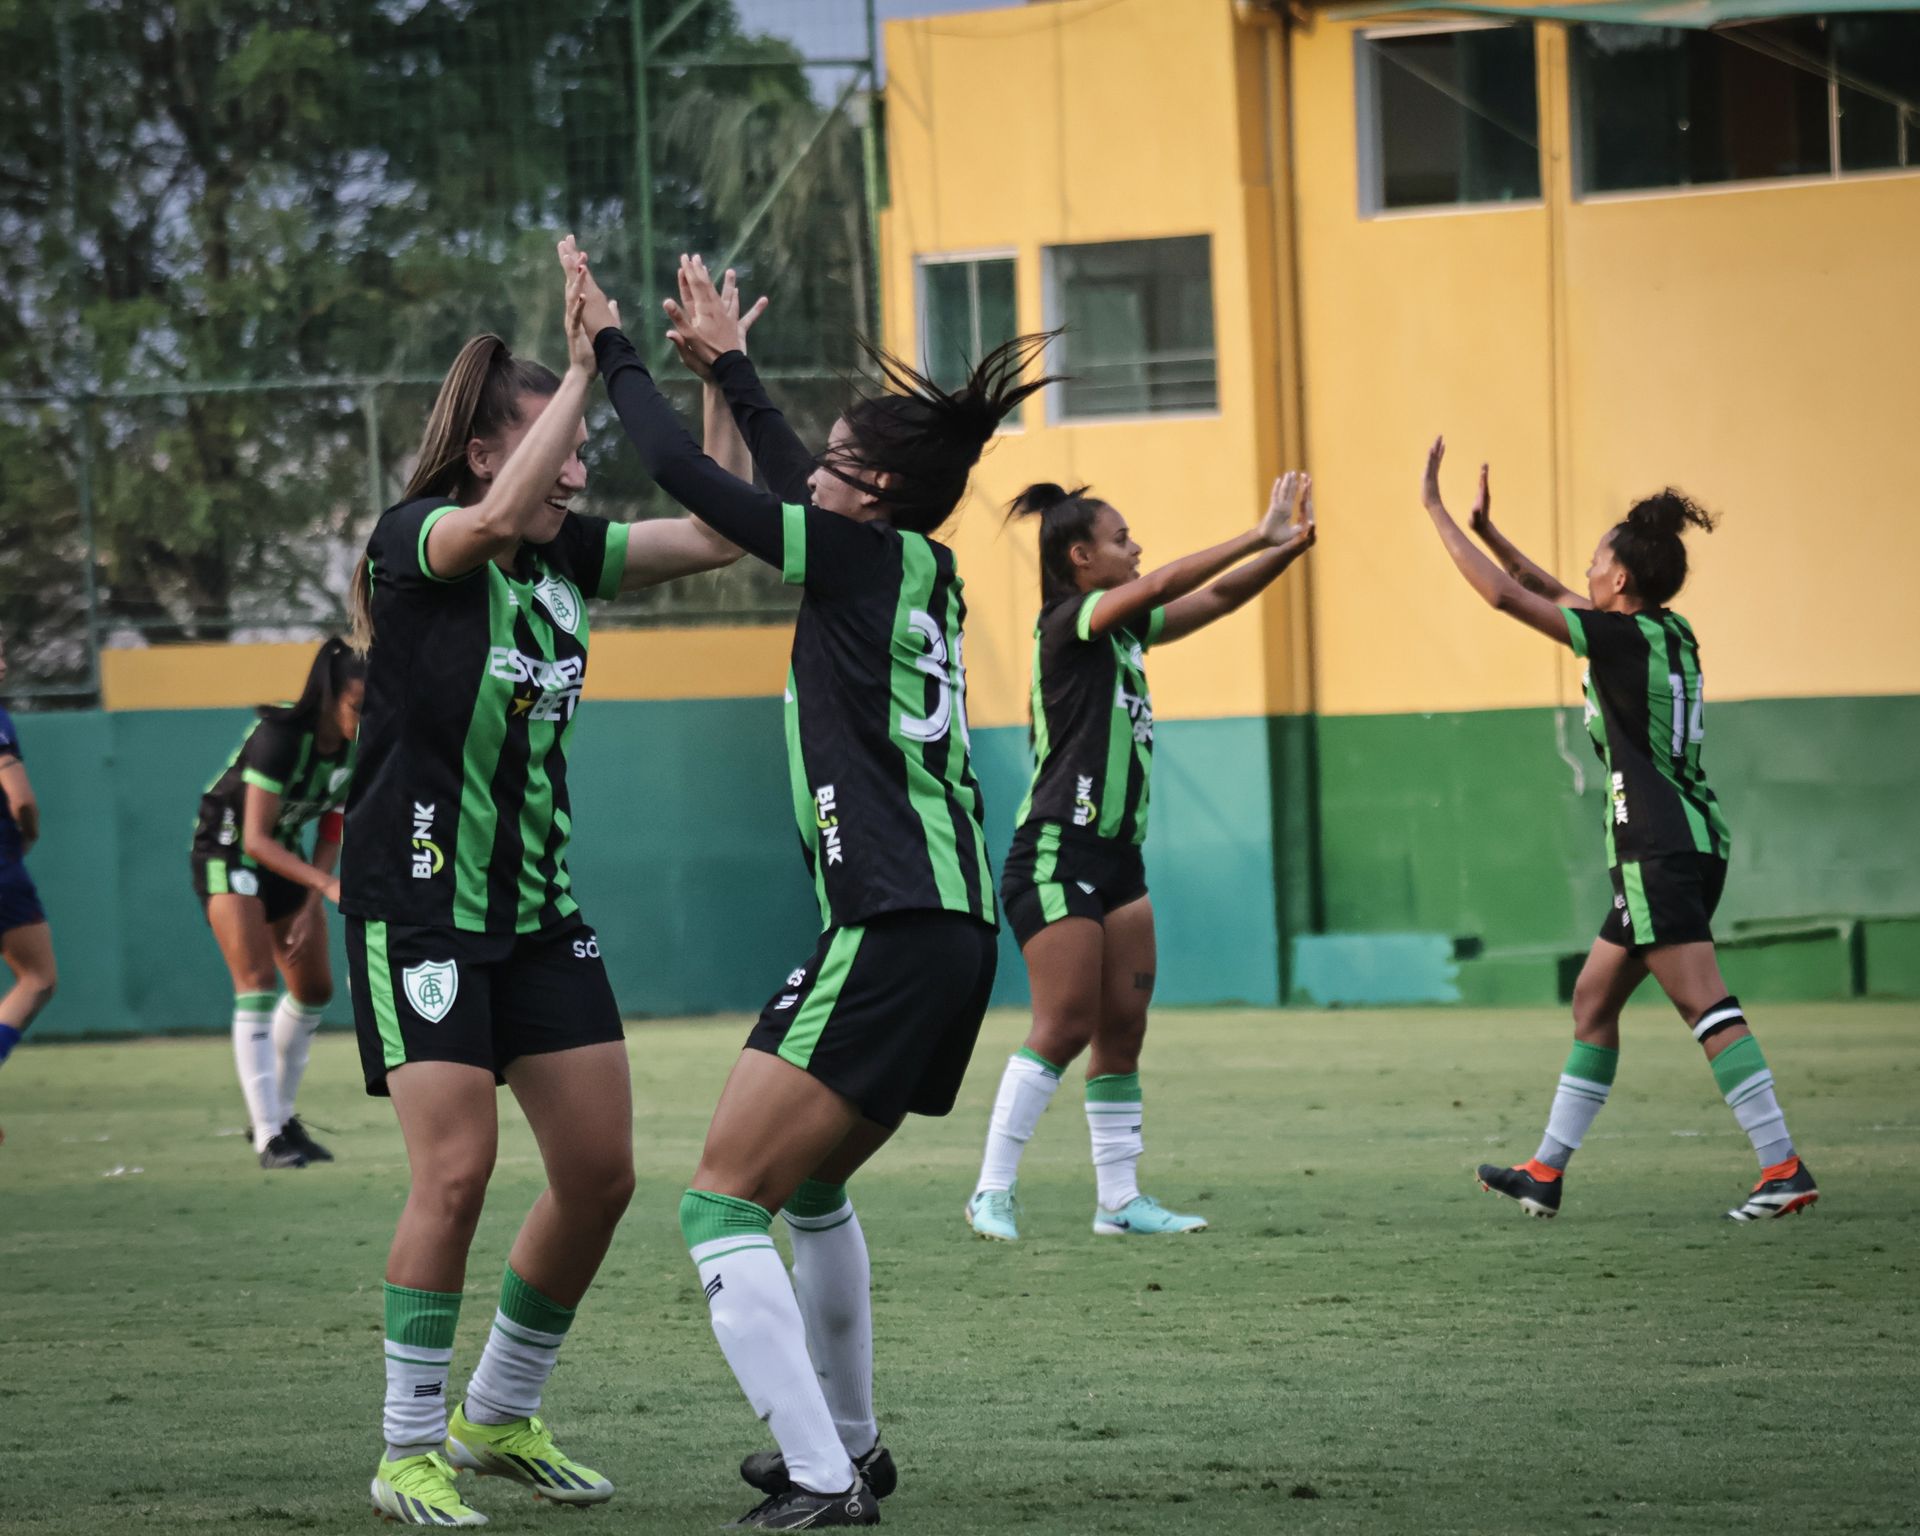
(1755, 346)
(1079, 121)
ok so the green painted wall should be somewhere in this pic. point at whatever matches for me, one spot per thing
(685, 859)
(1468, 825)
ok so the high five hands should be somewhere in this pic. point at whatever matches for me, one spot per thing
(705, 321)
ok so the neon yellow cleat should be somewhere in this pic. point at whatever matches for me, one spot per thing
(418, 1490)
(523, 1450)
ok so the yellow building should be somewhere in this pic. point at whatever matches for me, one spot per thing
(1601, 255)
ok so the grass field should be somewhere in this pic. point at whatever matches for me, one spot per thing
(1364, 1342)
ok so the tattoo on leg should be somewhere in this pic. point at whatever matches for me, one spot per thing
(1143, 981)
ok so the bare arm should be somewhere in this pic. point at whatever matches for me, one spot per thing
(1534, 578)
(20, 799)
(1244, 582)
(468, 537)
(257, 843)
(1121, 606)
(1499, 589)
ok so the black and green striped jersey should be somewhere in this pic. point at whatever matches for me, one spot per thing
(280, 758)
(458, 816)
(876, 715)
(1092, 722)
(1646, 712)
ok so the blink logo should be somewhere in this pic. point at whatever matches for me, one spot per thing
(1084, 810)
(428, 860)
(1619, 799)
(826, 821)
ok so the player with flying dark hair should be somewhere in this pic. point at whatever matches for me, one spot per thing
(26, 938)
(881, 1020)
(262, 894)
(1075, 883)
(471, 963)
(1667, 843)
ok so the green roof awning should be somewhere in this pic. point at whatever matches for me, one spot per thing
(1697, 15)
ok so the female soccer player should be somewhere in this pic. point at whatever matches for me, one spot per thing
(1075, 884)
(471, 962)
(263, 899)
(26, 940)
(880, 1022)
(1667, 843)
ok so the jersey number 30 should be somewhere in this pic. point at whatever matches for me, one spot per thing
(935, 724)
(1689, 720)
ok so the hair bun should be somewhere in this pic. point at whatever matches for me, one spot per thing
(1668, 514)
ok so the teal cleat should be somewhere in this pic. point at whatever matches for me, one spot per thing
(1144, 1217)
(991, 1213)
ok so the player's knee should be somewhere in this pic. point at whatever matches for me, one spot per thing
(1591, 1008)
(262, 979)
(455, 1195)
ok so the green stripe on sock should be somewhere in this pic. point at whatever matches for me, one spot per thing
(1040, 1061)
(1737, 1063)
(252, 1002)
(527, 1307)
(1592, 1063)
(813, 1198)
(705, 1216)
(425, 1319)
(1114, 1088)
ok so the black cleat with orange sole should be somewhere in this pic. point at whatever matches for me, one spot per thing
(1538, 1195)
(1783, 1189)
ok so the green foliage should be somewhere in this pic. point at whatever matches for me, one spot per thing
(238, 197)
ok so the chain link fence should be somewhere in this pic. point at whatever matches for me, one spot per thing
(240, 243)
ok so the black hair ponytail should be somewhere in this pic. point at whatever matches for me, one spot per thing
(1649, 543)
(926, 439)
(335, 665)
(1066, 519)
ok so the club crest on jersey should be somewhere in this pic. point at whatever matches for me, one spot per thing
(431, 987)
(243, 882)
(561, 599)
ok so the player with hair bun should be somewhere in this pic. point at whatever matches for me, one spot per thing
(262, 894)
(1075, 884)
(1667, 843)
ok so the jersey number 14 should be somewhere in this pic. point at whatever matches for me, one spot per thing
(1689, 716)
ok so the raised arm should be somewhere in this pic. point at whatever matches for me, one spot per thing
(1499, 589)
(468, 537)
(715, 333)
(1534, 578)
(1122, 606)
(1244, 582)
(720, 434)
(20, 797)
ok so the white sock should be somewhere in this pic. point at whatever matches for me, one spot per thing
(758, 1323)
(1746, 1083)
(1026, 1088)
(253, 1059)
(512, 1372)
(415, 1418)
(833, 1283)
(293, 1026)
(1114, 1118)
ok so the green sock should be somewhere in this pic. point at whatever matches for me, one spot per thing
(1113, 1125)
(522, 1349)
(1747, 1086)
(419, 1349)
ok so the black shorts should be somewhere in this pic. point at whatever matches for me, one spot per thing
(1051, 874)
(216, 875)
(483, 999)
(1668, 898)
(886, 1011)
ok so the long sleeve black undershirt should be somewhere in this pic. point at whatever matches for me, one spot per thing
(782, 459)
(739, 511)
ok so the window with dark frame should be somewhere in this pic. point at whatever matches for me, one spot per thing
(1448, 117)
(966, 310)
(1138, 318)
(1804, 96)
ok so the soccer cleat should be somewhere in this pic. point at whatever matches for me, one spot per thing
(992, 1212)
(296, 1133)
(767, 1471)
(1144, 1217)
(801, 1509)
(1783, 1189)
(1536, 1186)
(281, 1153)
(523, 1450)
(418, 1490)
